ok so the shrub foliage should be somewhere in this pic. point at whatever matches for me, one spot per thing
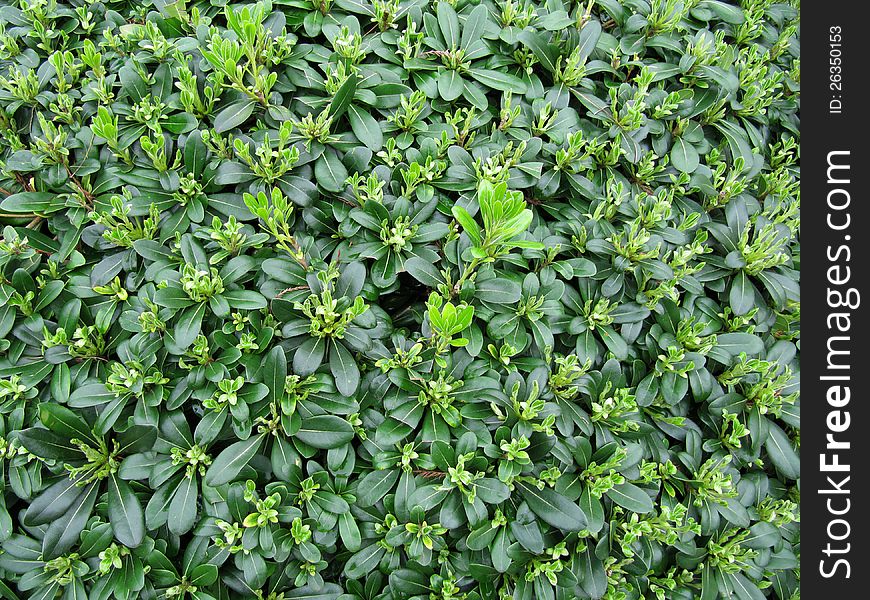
(373, 299)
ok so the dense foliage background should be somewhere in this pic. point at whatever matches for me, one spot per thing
(461, 299)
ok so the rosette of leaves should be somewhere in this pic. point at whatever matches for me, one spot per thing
(459, 48)
(197, 290)
(330, 322)
(589, 321)
(173, 468)
(505, 218)
(120, 570)
(86, 466)
(261, 526)
(396, 235)
(515, 326)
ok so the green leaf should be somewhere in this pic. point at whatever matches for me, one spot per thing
(614, 342)
(275, 373)
(182, 509)
(65, 422)
(501, 560)
(744, 589)
(90, 394)
(48, 444)
(742, 294)
(684, 157)
(556, 20)
(179, 123)
(64, 531)
(469, 225)
(449, 24)
(735, 343)
(450, 85)
(54, 502)
(553, 508)
(423, 271)
(349, 532)
(50, 291)
(781, 452)
(594, 576)
(546, 54)
(344, 369)
(326, 591)
(125, 513)
(593, 509)
(365, 128)
(481, 537)
(195, 154)
(245, 300)
(589, 36)
(763, 535)
(31, 202)
(203, 575)
(474, 26)
(325, 431)
(363, 562)
(631, 497)
(498, 291)
(233, 115)
(492, 491)
(375, 486)
(330, 172)
(343, 97)
(410, 582)
(309, 356)
(188, 325)
(503, 82)
(231, 460)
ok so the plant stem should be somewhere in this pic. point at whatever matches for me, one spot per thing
(469, 270)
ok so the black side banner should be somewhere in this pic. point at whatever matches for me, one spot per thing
(834, 441)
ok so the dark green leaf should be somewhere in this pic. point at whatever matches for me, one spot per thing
(228, 463)
(325, 431)
(553, 508)
(631, 497)
(374, 486)
(125, 513)
(233, 115)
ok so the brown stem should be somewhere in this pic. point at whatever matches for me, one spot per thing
(295, 288)
(300, 255)
(23, 182)
(88, 195)
(430, 474)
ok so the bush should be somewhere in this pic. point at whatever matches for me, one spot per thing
(372, 299)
